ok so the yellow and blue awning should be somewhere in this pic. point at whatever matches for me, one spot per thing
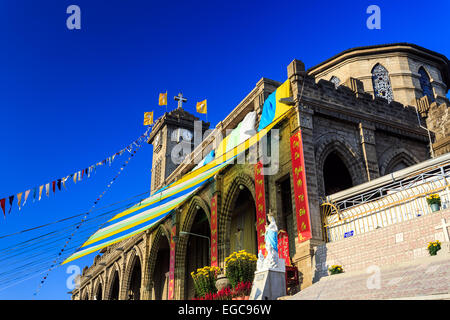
(152, 210)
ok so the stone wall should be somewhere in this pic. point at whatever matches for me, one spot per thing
(390, 245)
(438, 121)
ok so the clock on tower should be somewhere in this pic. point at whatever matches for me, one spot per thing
(169, 130)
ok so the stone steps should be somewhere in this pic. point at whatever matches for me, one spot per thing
(426, 277)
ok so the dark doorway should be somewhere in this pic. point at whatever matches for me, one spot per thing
(135, 281)
(98, 293)
(161, 272)
(285, 220)
(197, 249)
(335, 174)
(115, 287)
(243, 223)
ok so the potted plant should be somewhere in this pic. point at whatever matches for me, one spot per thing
(335, 269)
(240, 268)
(434, 247)
(434, 201)
(222, 282)
(205, 281)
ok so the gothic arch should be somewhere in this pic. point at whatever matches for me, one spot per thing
(98, 282)
(181, 245)
(110, 281)
(349, 157)
(134, 255)
(381, 82)
(393, 157)
(224, 216)
(85, 294)
(150, 265)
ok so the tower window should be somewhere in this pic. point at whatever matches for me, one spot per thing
(381, 83)
(425, 84)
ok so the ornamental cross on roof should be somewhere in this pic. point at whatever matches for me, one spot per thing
(180, 100)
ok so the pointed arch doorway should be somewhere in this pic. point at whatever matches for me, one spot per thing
(134, 292)
(197, 248)
(335, 174)
(160, 277)
(115, 286)
(243, 223)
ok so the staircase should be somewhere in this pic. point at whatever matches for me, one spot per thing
(424, 278)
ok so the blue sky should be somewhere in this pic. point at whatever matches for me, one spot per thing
(71, 98)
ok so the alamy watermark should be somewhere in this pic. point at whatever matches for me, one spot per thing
(374, 20)
(74, 20)
(73, 281)
(265, 150)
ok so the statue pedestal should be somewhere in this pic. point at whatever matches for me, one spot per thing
(269, 284)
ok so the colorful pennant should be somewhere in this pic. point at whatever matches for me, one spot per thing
(56, 183)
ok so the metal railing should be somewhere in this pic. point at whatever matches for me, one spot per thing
(395, 202)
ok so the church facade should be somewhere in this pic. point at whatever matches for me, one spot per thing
(365, 113)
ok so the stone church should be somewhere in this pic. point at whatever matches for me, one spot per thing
(364, 113)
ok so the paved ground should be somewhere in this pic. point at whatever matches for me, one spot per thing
(425, 278)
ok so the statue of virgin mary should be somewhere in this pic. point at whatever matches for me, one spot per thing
(271, 240)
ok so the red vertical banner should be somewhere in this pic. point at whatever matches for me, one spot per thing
(260, 207)
(300, 190)
(283, 247)
(214, 261)
(172, 263)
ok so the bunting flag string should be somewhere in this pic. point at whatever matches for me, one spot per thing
(151, 211)
(56, 183)
(55, 262)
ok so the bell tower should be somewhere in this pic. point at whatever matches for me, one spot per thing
(172, 129)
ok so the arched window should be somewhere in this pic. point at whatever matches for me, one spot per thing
(336, 81)
(381, 83)
(425, 84)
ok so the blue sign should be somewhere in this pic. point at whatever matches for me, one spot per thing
(348, 234)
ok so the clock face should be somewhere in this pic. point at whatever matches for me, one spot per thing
(187, 135)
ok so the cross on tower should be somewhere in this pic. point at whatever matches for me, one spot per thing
(180, 100)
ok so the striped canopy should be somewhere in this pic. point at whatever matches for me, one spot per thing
(152, 210)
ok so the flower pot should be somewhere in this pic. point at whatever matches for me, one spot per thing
(222, 282)
(435, 207)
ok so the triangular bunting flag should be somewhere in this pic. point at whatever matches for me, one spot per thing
(2, 203)
(19, 199)
(40, 192)
(11, 200)
(26, 197)
(47, 189)
(53, 186)
(64, 181)
(58, 183)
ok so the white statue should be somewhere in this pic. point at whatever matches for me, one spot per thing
(271, 239)
(260, 262)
